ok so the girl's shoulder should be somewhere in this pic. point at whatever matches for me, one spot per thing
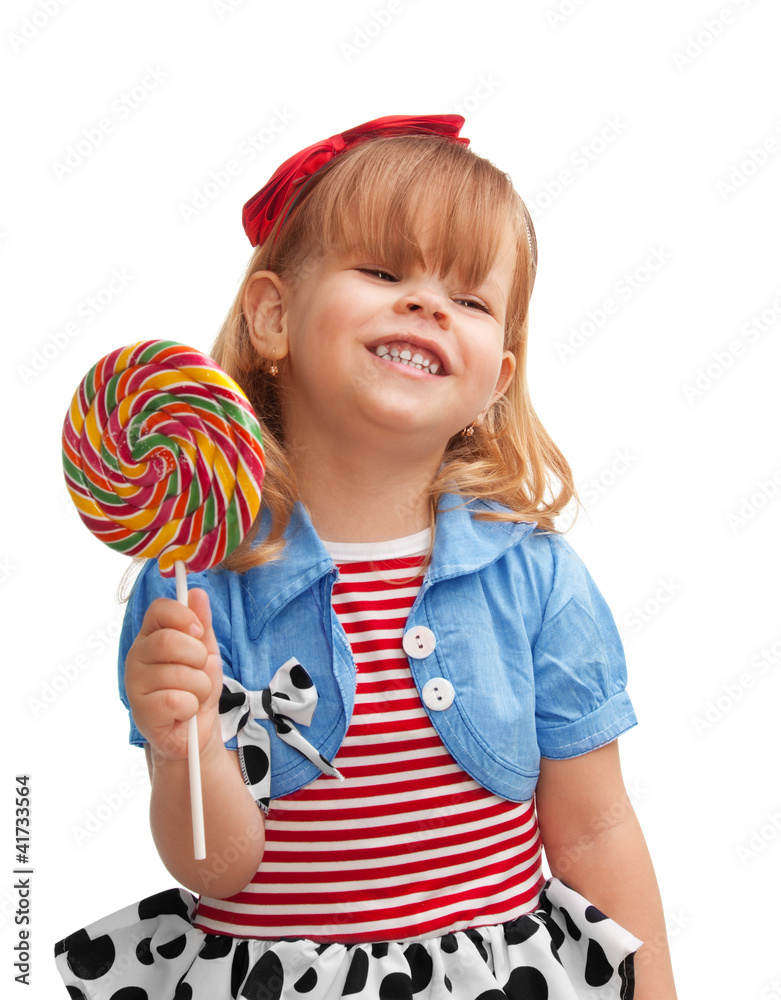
(548, 551)
(544, 562)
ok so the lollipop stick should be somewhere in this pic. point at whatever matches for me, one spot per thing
(193, 758)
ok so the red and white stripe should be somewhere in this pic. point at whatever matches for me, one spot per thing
(408, 845)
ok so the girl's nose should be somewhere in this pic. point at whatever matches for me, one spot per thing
(429, 303)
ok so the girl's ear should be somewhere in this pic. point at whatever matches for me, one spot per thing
(506, 373)
(265, 306)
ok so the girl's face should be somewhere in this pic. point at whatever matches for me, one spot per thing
(378, 354)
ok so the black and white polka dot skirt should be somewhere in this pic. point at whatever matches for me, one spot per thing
(564, 950)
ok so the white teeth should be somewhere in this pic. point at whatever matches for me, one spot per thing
(406, 357)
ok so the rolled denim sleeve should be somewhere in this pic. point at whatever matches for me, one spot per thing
(150, 585)
(581, 702)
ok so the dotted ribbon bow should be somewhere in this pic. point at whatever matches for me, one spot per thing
(290, 697)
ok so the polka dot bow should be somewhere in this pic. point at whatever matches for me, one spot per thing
(290, 697)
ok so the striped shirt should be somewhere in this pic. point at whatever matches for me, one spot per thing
(408, 845)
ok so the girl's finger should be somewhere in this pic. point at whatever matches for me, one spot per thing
(173, 677)
(166, 613)
(168, 706)
(168, 645)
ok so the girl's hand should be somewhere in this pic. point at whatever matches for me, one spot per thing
(173, 671)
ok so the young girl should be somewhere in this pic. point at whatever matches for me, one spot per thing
(406, 683)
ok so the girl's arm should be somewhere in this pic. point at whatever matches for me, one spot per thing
(594, 844)
(173, 669)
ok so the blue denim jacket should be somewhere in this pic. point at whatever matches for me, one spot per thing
(522, 633)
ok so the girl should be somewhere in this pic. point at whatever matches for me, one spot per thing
(407, 602)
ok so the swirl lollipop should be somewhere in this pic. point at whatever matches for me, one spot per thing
(163, 457)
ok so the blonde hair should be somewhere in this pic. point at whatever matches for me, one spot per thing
(371, 198)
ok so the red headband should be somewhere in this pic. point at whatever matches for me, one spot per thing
(262, 210)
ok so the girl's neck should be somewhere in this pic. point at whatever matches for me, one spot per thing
(364, 497)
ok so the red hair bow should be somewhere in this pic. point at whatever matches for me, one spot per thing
(262, 210)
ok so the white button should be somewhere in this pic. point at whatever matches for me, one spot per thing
(438, 694)
(418, 642)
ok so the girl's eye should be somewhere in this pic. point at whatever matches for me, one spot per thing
(378, 272)
(474, 304)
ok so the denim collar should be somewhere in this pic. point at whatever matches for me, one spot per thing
(465, 544)
(462, 544)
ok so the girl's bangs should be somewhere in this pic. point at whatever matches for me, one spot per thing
(405, 201)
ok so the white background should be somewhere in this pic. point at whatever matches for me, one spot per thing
(649, 108)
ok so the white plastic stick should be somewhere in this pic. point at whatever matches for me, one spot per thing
(193, 758)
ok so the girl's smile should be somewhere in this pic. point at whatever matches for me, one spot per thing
(409, 353)
(436, 350)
